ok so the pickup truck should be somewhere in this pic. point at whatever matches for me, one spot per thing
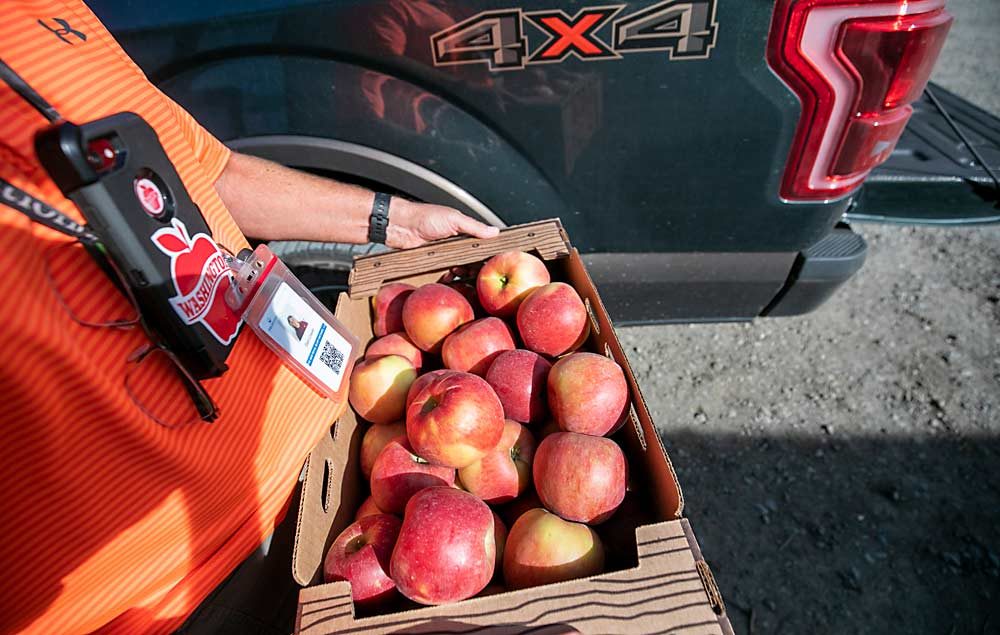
(707, 156)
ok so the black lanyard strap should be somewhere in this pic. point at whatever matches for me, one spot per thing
(41, 212)
(29, 94)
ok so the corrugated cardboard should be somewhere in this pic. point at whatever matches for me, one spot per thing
(661, 584)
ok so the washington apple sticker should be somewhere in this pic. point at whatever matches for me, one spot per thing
(200, 276)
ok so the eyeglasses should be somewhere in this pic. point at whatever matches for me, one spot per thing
(70, 274)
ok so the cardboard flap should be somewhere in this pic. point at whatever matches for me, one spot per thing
(643, 439)
(664, 592)
(547, 238)
(308, 551)
(330, 487)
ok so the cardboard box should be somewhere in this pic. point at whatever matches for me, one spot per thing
(657, 580)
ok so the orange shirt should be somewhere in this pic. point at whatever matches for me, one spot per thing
(110, 520)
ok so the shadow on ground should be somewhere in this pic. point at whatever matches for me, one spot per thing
(847, 535)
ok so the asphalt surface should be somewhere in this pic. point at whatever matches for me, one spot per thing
(841, 469)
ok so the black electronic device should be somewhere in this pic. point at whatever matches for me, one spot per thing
(117, 172)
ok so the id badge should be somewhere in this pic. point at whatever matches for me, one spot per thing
(289, 319)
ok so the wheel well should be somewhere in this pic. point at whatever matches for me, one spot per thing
(366, 166)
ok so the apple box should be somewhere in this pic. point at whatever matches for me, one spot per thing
(655, 580)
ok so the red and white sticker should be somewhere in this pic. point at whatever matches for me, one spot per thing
(201, 277)
(150, 197)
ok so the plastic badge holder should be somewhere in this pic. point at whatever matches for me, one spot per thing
(289, 319)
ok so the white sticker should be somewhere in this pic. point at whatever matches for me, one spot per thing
(298, 329)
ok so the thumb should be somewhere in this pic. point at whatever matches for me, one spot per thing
(471, 226)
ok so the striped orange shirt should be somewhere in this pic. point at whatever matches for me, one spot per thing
(111, 521)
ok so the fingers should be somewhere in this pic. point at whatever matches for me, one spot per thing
(471, 226)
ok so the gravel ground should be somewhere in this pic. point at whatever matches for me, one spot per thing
(841, 468)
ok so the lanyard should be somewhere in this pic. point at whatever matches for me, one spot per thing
(16, 198)
(43, 213)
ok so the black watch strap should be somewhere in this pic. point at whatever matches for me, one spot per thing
(378, 222)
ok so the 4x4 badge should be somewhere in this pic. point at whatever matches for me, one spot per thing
(684, 29)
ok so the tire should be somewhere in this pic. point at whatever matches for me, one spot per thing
(316, 255)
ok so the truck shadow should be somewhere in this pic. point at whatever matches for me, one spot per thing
(847, 534)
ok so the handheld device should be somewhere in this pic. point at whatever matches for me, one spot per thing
(116, 171)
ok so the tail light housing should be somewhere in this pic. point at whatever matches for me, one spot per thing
(855, 67)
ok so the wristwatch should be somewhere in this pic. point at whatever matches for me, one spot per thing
(378, 222)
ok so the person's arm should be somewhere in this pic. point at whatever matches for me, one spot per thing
(272, 202)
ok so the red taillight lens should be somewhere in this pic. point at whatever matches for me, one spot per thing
(855, 67)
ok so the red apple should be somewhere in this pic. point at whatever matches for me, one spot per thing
(507, 279)
(396, 344)
(519, 377)
(504, 473)
(588, 394)
(580, 477)
(422, 381)
(454, 420)
(374, 440)
(361, 555)
(367, 508)
(552, 320)
(474, 346)
(387, 307)
(446, 550)
(379, 386)
(399, 473)
(542, 548)
(432, 312)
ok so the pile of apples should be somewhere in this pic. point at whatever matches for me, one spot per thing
(491, 420)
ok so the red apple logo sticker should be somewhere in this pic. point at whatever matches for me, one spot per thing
(201, 277)
(150, 197)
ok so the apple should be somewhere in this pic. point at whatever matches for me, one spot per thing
(552, 320)
(542, 548)
(399, 473)
(519, 379)
(422, 381)
(396, 344)
(579, 476)
(374, 440)
(387, 307)
(588, 394)
(378, 387)
(474, 346)
(432, 312)
(504, 473)
(367, 508)
(507, 279)
(454, 420)
(446, 550)
(516, 508)
(361, 555)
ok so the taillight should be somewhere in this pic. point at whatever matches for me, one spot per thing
(856, 67)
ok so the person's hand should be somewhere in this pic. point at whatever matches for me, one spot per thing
(413, 224)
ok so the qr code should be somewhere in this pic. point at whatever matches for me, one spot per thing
(332, 357)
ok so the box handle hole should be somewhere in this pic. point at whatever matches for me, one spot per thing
(593, 318)
(324, 495)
